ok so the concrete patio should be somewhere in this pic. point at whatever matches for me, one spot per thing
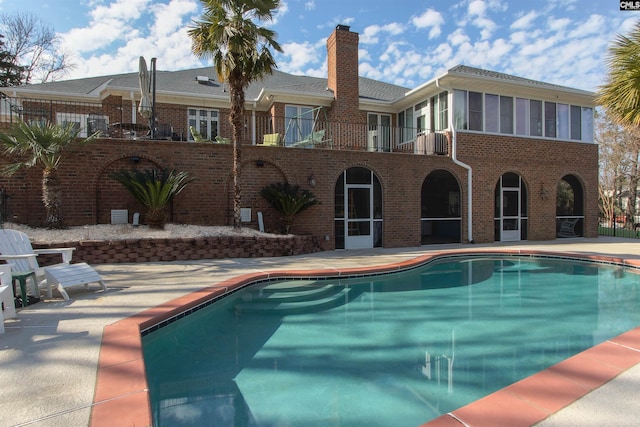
(49, 353)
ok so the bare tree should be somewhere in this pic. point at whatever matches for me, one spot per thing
(619, 155)
(34, 47)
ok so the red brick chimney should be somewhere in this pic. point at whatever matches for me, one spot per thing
(342, 64)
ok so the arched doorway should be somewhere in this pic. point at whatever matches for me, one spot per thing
(510, 218)
(440, 220)
(358, 209)
(569, 207)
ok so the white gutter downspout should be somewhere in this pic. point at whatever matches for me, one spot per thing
(454, 153)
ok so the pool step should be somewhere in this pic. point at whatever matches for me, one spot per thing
(293, 293)
(298, 302)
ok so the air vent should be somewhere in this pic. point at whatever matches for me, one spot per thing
(202, 79)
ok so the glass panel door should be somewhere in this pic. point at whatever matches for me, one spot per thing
(510, 215)
(359, 219)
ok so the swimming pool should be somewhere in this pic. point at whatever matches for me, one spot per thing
(384, 349)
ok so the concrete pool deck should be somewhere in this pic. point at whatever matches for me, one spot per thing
(49, 354)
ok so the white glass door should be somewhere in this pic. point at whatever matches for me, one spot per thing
(359, 207)
(510, 231)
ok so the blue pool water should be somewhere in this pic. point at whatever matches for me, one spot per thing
(387, 350)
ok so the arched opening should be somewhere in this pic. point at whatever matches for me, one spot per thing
(440, 220)
(358, 209)
(569, 208)
(510, 218)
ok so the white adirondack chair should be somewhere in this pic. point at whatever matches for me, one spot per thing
(15, 247)
(7, 309)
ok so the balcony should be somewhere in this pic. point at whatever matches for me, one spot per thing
(121, 120)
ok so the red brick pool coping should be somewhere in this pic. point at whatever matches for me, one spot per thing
(122, 395)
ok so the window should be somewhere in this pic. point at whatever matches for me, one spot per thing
(299, 121)
(421, 110)
(522, 116)
(206, 122)
(563, 121)
(491, 109)
(576, 125)
(550, 120)
(460, 108)
(405, 121)
(80, 122)
(475, 111)
(379, 132)
(506, 114)
(587, 124)
(535, 118)
(97, 122)
(439, 112)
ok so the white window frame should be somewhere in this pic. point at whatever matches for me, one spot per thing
(560, 126)
(299, 120)
(78, 119)
(203, 123)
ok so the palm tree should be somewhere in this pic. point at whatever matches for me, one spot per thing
(620, 95)
(240, 50)
(154, 189)
(42, 144)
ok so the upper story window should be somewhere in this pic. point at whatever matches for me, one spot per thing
(440, 111)
(299, 121)
(405, 123)
(87, 124)
(206, 122)
(521, 116)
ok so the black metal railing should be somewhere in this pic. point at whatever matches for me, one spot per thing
(619, 226)
(120, 120)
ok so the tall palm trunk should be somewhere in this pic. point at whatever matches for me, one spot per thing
(52, 198)
(236, 90)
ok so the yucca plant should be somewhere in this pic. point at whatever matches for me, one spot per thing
(289, 200)
(154, 189)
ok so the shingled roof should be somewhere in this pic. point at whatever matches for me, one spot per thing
(186, 82)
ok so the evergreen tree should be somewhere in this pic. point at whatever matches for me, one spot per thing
(10, 73)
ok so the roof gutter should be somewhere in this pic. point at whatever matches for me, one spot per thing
(454, 153)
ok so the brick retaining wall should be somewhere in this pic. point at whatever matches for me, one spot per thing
(181, 249)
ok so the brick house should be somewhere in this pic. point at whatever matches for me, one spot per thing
(469, 156)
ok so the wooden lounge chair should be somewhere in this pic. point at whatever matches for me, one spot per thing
(15, 247)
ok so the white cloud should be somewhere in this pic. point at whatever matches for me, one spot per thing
(297, 56)
(310, 5)
(429, 19)
(128, 29)
(525, 21)
(477, 11)
(370, 33)
(458, 37)
(283, 9)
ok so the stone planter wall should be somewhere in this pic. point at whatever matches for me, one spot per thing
(152, 250)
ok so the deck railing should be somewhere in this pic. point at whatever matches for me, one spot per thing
(121, 120)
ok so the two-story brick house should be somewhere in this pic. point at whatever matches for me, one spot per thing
(469, 156)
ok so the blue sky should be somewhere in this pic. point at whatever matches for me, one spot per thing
(406, 42)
